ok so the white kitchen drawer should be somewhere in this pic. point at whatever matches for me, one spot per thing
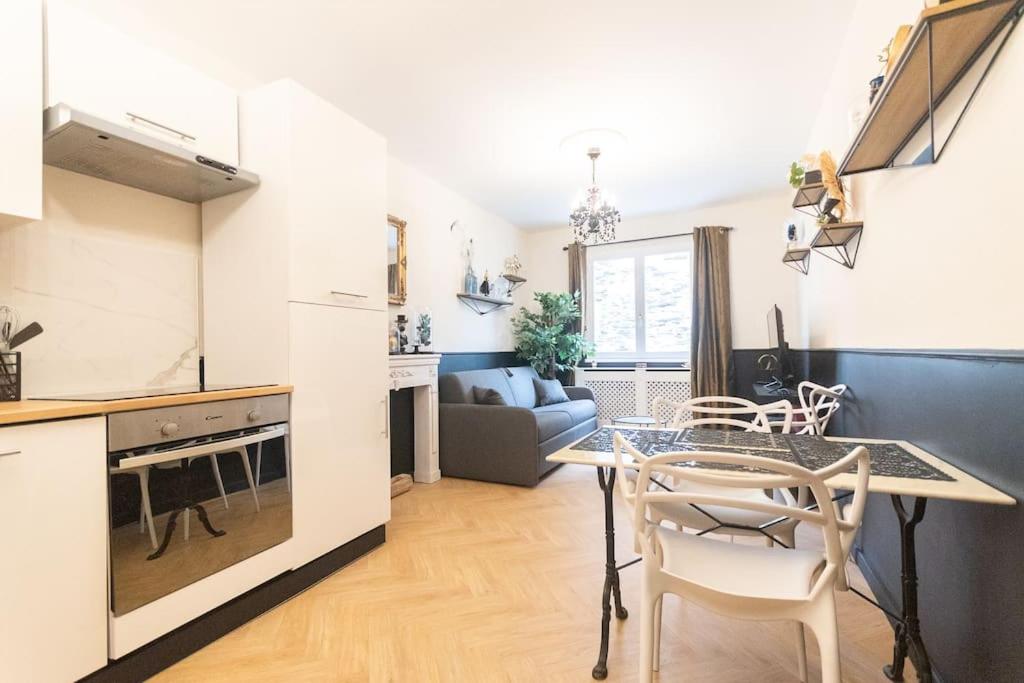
(95, 68)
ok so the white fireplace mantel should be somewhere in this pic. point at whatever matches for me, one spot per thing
(418, 371)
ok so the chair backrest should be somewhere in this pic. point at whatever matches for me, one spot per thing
(762, 473)
(708, 411)
(818, 404)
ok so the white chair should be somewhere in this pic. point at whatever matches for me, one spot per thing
(287, 463)
(711, 411)
(722, 411)
(744, 581)
(817, 406)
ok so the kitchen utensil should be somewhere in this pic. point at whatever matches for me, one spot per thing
(31, 330)
(8, 325)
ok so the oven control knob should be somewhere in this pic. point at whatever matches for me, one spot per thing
(253, 415)
(169, 428)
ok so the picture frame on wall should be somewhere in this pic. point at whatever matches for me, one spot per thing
(397, 261)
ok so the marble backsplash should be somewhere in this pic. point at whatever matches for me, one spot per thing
(112, 275)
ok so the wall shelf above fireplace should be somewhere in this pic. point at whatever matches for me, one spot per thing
(482, 305)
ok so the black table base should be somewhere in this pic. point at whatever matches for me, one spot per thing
(606, 480)
(184, 485)
(908, 628)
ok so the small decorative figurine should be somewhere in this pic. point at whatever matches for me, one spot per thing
(485, 286)
(400, 336)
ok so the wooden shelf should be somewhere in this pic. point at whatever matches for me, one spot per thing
(839, 242)
(482, 305)
(809, 196)
(514, 281)
(944, 44)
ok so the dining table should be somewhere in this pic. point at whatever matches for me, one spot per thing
(898, 468)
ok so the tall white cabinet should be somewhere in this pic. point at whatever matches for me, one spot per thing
(21, 99)
(294, 291)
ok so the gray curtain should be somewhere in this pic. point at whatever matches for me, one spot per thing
(578, 280)
(711, 336)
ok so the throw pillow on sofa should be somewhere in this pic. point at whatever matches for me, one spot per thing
(549, 392)
(488, 397)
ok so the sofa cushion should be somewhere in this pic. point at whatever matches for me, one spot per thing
(552, 423)
(549, 392)
(579, 411)
(457, 387)
(521, 381)
(484, 396)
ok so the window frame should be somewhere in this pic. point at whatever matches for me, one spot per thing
(638, 251)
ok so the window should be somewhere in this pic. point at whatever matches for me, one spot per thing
(639, 300)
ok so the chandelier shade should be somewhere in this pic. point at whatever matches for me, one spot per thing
(594, 218)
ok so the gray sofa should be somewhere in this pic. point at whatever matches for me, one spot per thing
(506, 444)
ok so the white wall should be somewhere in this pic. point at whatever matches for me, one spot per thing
(111, 273)
(940, 258)
(757, 276)
(436, 267)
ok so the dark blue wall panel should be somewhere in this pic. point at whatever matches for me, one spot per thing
(967, 408)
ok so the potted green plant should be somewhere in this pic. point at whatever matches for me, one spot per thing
(546, 339)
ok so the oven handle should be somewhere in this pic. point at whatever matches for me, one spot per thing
(202, 449)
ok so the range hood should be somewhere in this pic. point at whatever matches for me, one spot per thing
(79, 142)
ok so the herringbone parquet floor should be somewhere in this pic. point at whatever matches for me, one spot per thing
(482, 582)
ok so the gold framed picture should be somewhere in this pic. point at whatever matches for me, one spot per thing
(397, 261)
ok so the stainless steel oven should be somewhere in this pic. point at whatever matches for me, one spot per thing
(194, 489)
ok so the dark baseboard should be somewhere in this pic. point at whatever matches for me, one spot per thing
(156, 656)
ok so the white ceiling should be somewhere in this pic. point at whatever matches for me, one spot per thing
(715, 97)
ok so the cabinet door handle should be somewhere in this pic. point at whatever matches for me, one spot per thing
(358, 296)
(4, 454)
(387, 420)
(136, 117)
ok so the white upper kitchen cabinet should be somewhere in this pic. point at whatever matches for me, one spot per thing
(21, 99)
(93, 67)
(314, 231)
(53, 573)
(337, 206)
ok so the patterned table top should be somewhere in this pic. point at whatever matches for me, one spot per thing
(812, 452)
(897, 467)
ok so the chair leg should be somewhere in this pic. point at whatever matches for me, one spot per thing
(186, 513)
(220, 482)
(826, 630)
(648, 611)
(147, 509)
(656, 659)
(248, 475)
(801, 652)
(259, 461)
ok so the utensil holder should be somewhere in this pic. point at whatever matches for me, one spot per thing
(10, 376)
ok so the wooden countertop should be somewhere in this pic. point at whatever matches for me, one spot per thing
(19, 412)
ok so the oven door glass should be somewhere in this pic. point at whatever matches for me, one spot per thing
(183, 513)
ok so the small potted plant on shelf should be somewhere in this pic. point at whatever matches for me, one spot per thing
(546, 339)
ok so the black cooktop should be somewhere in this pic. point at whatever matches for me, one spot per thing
(146, 392)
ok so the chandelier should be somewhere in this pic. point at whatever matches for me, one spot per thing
(594, 219)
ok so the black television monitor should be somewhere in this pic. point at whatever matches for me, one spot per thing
(783, 371)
